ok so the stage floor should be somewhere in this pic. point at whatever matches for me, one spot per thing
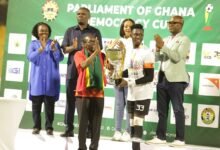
(25, 140)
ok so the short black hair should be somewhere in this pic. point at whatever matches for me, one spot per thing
(137, 26)
(122, 33)
(86, 9)
(89, 34)
(35, 29)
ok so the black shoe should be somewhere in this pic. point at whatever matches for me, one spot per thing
(67, 134)
(36, 131)
(49, 132)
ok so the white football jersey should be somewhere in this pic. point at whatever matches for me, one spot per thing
(139, 58)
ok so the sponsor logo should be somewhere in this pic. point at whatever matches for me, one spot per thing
(214, 81)
(209, 84)
(50, 10)
(14, 70)
(210, 54)
(217, 54)
(208, 116)
(207, 55)
(208, 16)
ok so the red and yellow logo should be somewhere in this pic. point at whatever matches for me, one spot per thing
(50, 10)
(208, 15)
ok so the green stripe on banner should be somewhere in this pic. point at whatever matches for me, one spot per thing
(109, 92)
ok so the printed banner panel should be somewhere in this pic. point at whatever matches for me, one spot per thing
(201, 25)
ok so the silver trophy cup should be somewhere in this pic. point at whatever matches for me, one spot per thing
(116, 56)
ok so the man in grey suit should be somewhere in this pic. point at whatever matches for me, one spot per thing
(173, 79)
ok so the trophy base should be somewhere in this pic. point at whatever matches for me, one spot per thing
(117, 81)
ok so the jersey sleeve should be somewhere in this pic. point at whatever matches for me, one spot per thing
(149, 60)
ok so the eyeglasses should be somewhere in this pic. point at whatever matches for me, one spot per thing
(174, 22)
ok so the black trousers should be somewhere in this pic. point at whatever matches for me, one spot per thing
(49, 102)
(70, 104)
(136, 146)
(89, 109)
(170, 92)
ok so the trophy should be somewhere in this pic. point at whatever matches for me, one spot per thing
(115, 54)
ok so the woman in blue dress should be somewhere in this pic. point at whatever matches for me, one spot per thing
(44, 85)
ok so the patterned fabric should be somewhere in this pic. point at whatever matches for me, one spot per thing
(82, 82)
(94, 77)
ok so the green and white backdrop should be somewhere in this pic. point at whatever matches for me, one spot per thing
(202, 26)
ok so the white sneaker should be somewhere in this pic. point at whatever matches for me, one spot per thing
(156, 141)
(125, 137)
(117, 136)
(136, 139)
(177, 143)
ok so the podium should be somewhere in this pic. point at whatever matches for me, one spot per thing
(11, 112)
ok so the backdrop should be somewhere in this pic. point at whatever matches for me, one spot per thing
(201, 26)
